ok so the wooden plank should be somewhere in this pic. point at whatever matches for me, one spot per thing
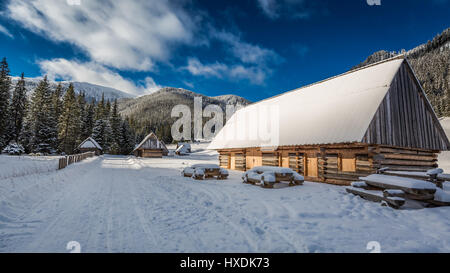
(406, 109)
(376, 196)
(408, 163)
(405, 168)
(411, 157)
(384, 149)
(394, 193)
(390, 138)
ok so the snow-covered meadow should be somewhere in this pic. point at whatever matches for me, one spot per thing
(16, 166)
(125, 204)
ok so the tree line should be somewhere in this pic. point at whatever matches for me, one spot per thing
(53, 121)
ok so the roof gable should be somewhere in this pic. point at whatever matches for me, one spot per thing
(89, 143)
(151, 141)
(405, 117)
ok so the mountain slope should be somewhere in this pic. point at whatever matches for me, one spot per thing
(92, 91)
(153, 112)
(431, 63)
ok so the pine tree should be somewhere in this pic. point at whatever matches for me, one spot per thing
(88, 121)
(107, 110)
(102, 134)
(447, 103)
(27, 134)
(127, 138)
(5, 86)
(57, 102)
(69, 122)
(115, 129)
(18, 109)
(100, 110)
(81, 104)
(42, 126)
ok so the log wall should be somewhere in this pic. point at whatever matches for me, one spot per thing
(335, 164)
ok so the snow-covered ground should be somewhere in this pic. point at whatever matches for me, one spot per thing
(125, 204)
(16, 166)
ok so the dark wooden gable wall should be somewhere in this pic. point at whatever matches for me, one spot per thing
(405, 117)
(151, 143)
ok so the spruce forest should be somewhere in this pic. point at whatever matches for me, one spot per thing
(56, 121)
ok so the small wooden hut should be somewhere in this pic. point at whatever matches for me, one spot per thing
(342, 128)
(90, 145)
(151, 147)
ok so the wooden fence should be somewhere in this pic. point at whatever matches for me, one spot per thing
(70, 159)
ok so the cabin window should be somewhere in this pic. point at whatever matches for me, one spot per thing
(347, 164)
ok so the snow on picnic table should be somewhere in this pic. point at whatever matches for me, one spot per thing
(399, 181)
(125, 204)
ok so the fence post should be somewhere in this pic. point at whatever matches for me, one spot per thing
(70, 159)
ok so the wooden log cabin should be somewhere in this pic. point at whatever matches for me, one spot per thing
(339, 129)
(150, 147)
(90, 145)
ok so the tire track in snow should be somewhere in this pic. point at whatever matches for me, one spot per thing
(145, 227)
(164, 198)
(39, 237)
(250, 241)
(109, 221)
(254, 221)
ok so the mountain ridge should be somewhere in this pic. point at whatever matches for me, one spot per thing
(431, 63)
(153, 111)
(92, 91)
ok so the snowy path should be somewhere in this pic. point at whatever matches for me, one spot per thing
(120, 204)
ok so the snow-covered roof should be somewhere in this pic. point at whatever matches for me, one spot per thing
(160, 144)
(336, 110)
(89, 143)
(183, 149)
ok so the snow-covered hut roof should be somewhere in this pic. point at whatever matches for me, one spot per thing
(89, 143)
(336, 110)
(151, 135)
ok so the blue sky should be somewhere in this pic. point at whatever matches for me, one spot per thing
(252, 48)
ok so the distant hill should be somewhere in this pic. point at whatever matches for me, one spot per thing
(431, 62)
(92, 91)
(153, 112)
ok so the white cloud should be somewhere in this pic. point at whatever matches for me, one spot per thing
(6, 32)
(252, 61)
(254, 74)
(246, 52)
(198, 69)
(96, 74)
(123, 34)
(274, 9)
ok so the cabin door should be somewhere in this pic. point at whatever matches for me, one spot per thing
(285, 160)
(233, 162)
(311, 166)
(250, 160)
